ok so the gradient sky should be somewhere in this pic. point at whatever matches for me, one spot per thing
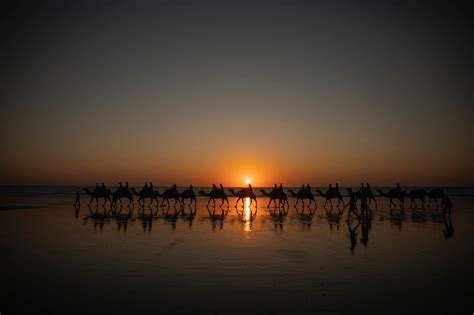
(201, 92)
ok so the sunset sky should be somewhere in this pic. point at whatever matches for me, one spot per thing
(216, 92)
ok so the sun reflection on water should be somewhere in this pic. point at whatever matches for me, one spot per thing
(247, 216)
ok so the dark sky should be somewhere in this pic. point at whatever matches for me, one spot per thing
(314, 91)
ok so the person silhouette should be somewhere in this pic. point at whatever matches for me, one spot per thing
(308, 188)
(281, 187)
(446, 204)
(364, 208)
(96, 189)
(120, 186)
(337, 187)
(102, 187)
(78, 199)
(352, 205)
(150, 188)
(330, 187)
(398, 187)
(214, 187)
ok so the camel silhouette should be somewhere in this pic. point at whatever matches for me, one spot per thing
(144, 194)
(214, 194)
(121, 193)
(417, 194)
(303, 194)
(188, 194)
(170, 193)
(244, 193)
(394, 193)
(274, 195)
(435, 194)
(330, 194)
(98, 193)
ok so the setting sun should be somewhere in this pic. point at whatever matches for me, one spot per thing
(248, 181)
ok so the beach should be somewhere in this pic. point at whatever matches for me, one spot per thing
(61, 260)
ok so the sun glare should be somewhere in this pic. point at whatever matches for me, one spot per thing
(248, 181)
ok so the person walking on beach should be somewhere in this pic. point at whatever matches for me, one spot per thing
(78, 199)
(96, 189)
(352, 205)
(363, 202)
(446, 204)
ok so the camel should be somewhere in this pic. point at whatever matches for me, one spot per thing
(188, 194)
(330, 194)
(170, 193)
(122, 193)
(302, 195)
(394, 193)
(274, 195)
(143, 194)
(435, 194)
(99, 194)
(215, 194)
(417, 194)
(244, 193)
(369, 194)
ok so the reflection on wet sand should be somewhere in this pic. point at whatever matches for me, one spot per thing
(358, 223)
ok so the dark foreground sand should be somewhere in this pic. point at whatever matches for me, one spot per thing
(60, 261)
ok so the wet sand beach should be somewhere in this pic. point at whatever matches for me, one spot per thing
(61, 260)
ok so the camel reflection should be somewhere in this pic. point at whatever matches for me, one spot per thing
(122, 219)
(98, 217)
(146, 219)
(188, 216)
(278, 216)
(334, 218)
(217, 218)
(306, 219)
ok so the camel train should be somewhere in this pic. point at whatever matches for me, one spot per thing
(277, 196)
